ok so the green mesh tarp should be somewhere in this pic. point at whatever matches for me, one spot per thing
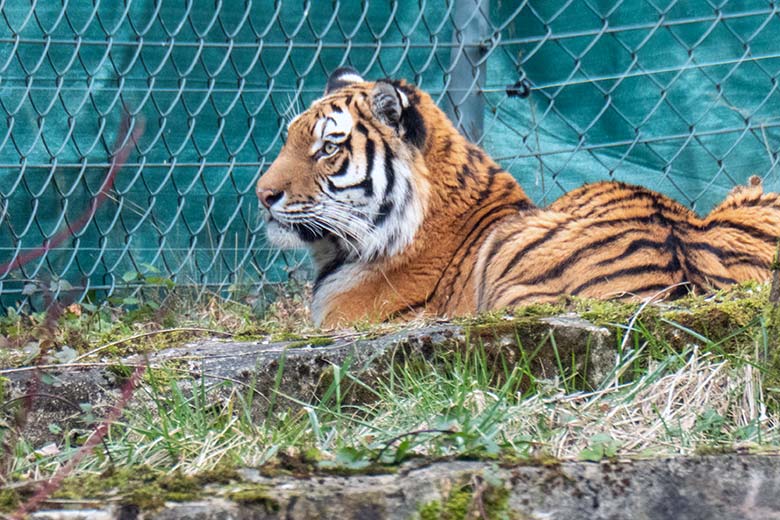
(131, 134)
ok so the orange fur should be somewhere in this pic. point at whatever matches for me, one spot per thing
(483, 245)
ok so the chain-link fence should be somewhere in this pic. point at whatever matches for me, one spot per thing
(132, 133)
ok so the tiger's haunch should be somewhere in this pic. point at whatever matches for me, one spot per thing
(403, 216)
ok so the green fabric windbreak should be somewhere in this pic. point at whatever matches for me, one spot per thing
(192, 97)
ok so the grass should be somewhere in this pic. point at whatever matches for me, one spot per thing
(86, 331)
(679, 393)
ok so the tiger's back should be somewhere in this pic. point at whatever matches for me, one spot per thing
(403, 216)
(610, 239)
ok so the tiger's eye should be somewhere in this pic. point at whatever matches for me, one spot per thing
(330, 148)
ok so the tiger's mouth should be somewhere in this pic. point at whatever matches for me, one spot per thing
(290, 235)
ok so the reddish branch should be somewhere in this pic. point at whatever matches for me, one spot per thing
(51, 485)
(97, 201)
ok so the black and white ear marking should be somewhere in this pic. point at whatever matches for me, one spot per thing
(388, 103)
(342, 77)
(391, 104)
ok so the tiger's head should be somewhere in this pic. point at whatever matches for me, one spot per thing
(343, 182)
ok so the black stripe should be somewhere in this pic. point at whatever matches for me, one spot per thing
(704, 246)
(342, 169)
(462, 244)
(479, 231)
(387, 206)
(384, 211)
(672, 265)
(474, 154)
(676, 292)
(543, 294)
(725, 280)
(528, 247)
(732, 257)
(563, 265)
(493, 170)
(642, 243)
(611, 204)
(694, 271)
(652, 218)
(752, 260)
(389, 168)
(328, 269)
(484, 193)
(587, 195)
(368, 184)
(559, 268)
(465, 173)
(745, 228)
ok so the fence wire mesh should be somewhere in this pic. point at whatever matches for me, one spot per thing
(132, 134)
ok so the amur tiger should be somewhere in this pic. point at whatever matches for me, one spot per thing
(404, 216)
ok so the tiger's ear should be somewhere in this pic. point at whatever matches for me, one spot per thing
(342, 77)
(388, 103)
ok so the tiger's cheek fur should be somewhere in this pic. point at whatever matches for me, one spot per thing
(373, 191)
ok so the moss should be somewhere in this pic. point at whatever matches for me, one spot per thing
(461, 502)
(317, 341)
(430, 510)
(141, 486)
(724, 317)
(120, 371)
(9, 500)
(256, 495)
(221, 474)
(167, 372)
(4, 382)
(279, 337)
(771, 376)
(509, 328)
(162, 375)
(345, 471)
(496, 501)
(457, 505)
(604, 312)
(714, 449)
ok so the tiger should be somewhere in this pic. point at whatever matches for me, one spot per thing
(404, 217)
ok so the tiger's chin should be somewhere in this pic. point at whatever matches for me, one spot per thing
(283, 237)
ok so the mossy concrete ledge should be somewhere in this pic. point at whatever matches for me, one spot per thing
(726, 487)
(303, 368)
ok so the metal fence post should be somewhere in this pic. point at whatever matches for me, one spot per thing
(465, 103)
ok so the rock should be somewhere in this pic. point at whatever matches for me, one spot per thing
(284, 373)
(743, 487)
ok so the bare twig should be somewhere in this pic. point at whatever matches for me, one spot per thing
(97, 436)
(147, 334)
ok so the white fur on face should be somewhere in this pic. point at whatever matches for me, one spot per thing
(334, 127)
(373, 201)
(280, 236)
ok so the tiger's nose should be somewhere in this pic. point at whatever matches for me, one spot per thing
(269, 197)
